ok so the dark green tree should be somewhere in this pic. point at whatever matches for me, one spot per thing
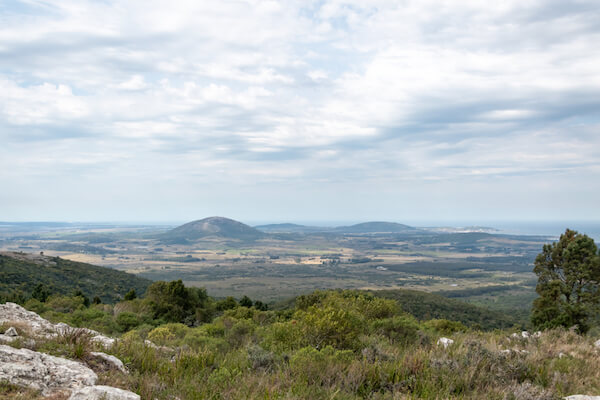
(568, 282)
(41, 293)
(259, 305)
(79, 293)
(246, 302)
(173, 302)
(97, 300)
(130, 295)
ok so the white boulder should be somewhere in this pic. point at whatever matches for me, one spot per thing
(39, 371)
(102, 393)
(445, 342)
(112, 361)
(582, 397)
(597, 343)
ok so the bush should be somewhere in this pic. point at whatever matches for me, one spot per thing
(444, 326)
(127, 321)
(399, 329)
(168, 334)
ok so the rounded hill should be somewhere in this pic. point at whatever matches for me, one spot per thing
(214, 226)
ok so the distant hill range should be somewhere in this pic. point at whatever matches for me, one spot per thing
(219, 227)
(22, 272)
(377, 227)
(373, 227)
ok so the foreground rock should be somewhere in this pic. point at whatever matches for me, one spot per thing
(39, 371)
(49, 374)
(11, 313)
(103, 393)
(582, 397)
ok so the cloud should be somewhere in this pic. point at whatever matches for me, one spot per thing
(375, 95)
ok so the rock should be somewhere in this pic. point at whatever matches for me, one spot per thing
(537, 334)
(103, 393)
(597, 343)
(38, 326)
(561, 355)
(8, 339)
(445, 342)
(111, 361)
(511, 351)
(11, 332)
(582, 397)
(103, 341)
(14, 313)
(525, 335)
(39, 371)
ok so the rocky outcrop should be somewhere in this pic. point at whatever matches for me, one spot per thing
(11, 313)
(39, 371)
(102, 393)
(50, 374)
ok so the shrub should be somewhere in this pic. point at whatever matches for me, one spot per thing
(127, 321)
(168, 334)
(444, 326)
(399, 329)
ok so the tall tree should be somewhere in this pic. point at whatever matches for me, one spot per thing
(568, 282)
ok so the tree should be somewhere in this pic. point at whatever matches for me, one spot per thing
(79, 293)
(41, 293)
(246, 302)
(568, 282)
(130, 295)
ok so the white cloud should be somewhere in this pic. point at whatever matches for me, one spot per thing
(321, 92)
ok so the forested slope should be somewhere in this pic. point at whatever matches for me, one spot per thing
(21, 273)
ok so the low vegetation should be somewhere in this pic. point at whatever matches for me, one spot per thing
(329, 344)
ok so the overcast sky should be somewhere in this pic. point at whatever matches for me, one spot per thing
(145, 110)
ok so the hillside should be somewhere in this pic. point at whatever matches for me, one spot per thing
(21, 272)
(425, 306)
(213, 227)
(376, 227)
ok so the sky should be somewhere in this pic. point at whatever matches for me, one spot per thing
(147, 110)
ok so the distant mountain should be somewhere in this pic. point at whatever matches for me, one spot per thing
(22, 272)
(291, 228)
(376, 227)
(213, 226)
